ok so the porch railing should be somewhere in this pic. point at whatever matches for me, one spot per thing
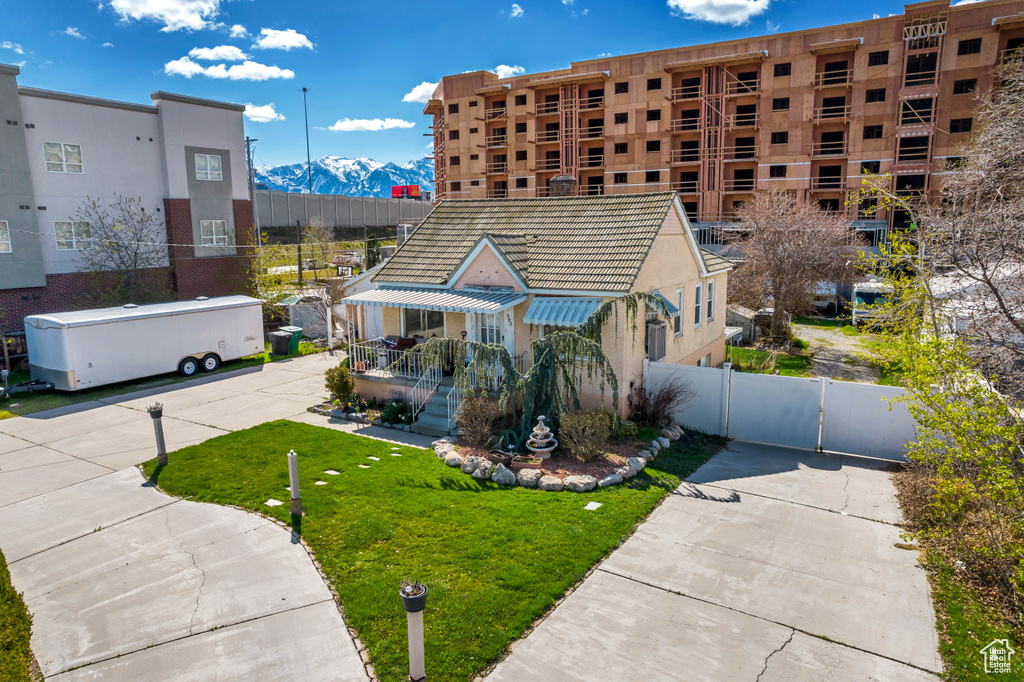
(486, 380)
(425, 388)
(376, 359)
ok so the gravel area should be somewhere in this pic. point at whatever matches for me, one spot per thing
(836, 355)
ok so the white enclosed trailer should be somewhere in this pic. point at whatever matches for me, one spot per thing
(88, 348)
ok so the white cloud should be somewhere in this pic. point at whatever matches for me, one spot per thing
(246, 71)
(605, 54)
(21, 64)
(221, 53)
(73, 32)
(271, 39)
(421, 93)
(238, 31)
(586, 12)
(262, 114)
(568, 2)
(175, 15)
(516, 11)
(505, 71)
(8, 45)
(734, 12)
(966, 2)
(772, 28)
(369, 124)
(108, 44)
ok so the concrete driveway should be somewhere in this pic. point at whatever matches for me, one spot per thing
(768, 564)
(125, 583)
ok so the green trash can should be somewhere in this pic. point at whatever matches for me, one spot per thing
(296, 333)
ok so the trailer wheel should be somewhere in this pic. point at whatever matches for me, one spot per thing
(188, 367)
(210, 362)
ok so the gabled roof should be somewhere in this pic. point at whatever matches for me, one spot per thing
(587, 243)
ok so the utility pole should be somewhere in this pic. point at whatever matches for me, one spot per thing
(309, 168)
(298, 245)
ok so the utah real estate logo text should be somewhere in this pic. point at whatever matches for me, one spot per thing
(997, 656)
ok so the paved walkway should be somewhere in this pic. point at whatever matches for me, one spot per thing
(125, 583)
(768, 564)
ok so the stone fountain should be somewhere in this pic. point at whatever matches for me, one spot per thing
(541, 441)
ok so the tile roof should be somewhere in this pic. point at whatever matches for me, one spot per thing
(714, 262)
(592, 243)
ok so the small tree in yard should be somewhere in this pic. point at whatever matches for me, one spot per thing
(128, 250)
(339, 384)
(787, 248)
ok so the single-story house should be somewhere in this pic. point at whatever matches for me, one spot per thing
(509, 271)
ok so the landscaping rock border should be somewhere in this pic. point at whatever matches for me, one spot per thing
(330, 410)
(483, 469)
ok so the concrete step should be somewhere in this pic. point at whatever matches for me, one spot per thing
(439, 422)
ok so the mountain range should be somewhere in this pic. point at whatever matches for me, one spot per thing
(360, 177)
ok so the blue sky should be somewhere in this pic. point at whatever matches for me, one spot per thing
(359, 60)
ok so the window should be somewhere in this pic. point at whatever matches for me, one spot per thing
(520, 100)
(622, 87)
(453, 108)
(867, 209)
(474, 157)
(783, 69)
(652, 176)
(781, 137)
(621, 147)
(710, 314)
(654, 145)
(474, 183)
(490, 328)
(473, 131)
(780, 104)
(677, 319)
(873, 167)
(456, 186)
(873, 132)
(454, 161)
(72, 236)
(874, 95)
(654, 84)
(962, 87)
(521, 156)
(622, 118)
(654, 114)
(620, 178)
(453, 134)
(63, 158)
(776, 171)
(521, 182)
(878, 58)
(698, 305)
(960, 125)
(472, 103)
(521, 127)
(423, 323)
(970, 46)
(214, 232)
(5, 237)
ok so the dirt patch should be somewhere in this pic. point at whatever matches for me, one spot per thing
(836, 355)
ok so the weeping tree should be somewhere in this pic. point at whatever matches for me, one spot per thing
(562, 362)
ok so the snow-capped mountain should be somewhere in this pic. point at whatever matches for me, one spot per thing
(352, 177)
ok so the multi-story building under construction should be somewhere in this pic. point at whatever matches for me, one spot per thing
(807, 111)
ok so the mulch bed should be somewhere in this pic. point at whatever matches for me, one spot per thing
(562, 464)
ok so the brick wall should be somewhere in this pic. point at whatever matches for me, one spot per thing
(215, 276)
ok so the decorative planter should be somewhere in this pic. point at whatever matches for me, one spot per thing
(499, 458)
(416, 602)
(526, 463)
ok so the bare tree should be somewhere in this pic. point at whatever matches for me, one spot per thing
(319, 242)
(786, 248)
(128, 249)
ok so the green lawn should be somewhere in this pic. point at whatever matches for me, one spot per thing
(822, 321)
(966, 624)
(493, 558)
(15, 631)
(753, 360)
(27, 403)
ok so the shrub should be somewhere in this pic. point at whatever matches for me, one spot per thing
(394, 412)
(475, 419)
(656, 407)
(799, 344)
(585, 434)
(339, 383)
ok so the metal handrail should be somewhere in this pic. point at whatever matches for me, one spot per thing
(425, 388)
(489, 383)
(374, 356)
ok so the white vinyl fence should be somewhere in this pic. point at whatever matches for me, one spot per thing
(813, 414)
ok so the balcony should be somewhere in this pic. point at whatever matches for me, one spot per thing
(496, 168)
(595, 102)
(740, 152)
(686, 93)
(549, 164)
(591, 190)
(833, 79)
(496, 141)
(547, 108)
(920, 79)
(497, 194)
(1012, 54)
(592, 161)
(373, 359)
(685, 156)
(733, 121)
(592, 133)
(828, 184)
(832, 114)
(684, 187)
(742, 186)
(827, 149)
(547, 136)
(912, 156)
(685, 125)
(495, 113)
(745, 87)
